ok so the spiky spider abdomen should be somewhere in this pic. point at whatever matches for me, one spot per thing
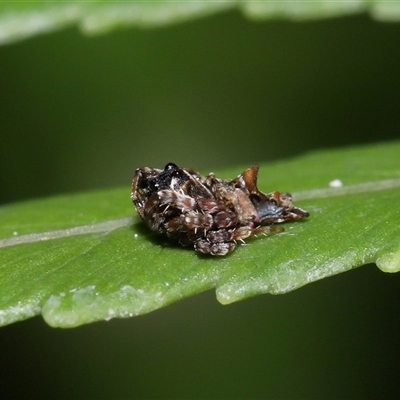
(209, 213)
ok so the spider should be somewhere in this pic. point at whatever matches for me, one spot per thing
(206, 212)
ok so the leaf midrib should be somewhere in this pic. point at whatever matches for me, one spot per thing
(99, 227)
(111, 225)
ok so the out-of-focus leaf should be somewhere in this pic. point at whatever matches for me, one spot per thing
(22, 19)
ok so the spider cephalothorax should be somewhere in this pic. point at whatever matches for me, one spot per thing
(209, 213)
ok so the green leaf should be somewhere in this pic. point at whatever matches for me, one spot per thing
(22, 19)
(87, 257)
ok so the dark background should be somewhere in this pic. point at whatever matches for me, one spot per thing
(79, 113)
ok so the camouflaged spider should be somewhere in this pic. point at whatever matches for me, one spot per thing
(209, 213)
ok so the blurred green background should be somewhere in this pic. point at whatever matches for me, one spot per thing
(80, 113)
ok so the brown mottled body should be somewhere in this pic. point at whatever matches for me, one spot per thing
(209, 213)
